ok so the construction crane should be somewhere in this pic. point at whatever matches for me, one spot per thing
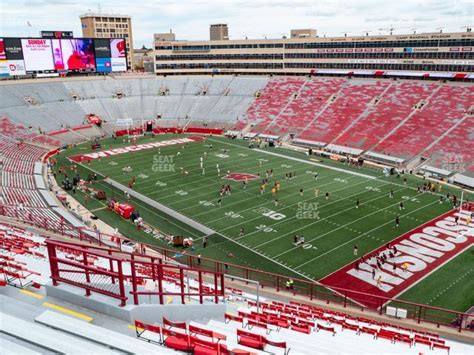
(390, 29)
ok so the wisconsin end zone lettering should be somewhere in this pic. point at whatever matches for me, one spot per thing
(420, 251)
(132, 148)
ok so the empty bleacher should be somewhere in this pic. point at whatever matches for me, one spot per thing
(311, 99)
(440, 113)
(395, 105)
(20, 192)
(402, 118)
(266, 108)
(350, 104)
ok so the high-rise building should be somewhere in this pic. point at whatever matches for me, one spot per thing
(109, 26)
(218, 32)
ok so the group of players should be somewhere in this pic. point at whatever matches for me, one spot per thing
(226, 189)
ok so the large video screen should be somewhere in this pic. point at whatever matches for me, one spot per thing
(21, 56)
(73, 54)
(37, 54)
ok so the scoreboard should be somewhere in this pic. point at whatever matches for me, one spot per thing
(22, 56)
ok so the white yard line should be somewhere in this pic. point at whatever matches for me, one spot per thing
(268, 258)
(370, 177)
(323, 219)
(360, 236)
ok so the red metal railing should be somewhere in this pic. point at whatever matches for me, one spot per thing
(116, 274)
(312, 290)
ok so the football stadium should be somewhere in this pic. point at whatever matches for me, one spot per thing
(302, 194)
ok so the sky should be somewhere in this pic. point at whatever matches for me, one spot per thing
(190, 19)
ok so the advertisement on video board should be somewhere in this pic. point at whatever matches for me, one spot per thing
(119, 60)
(37, 53)
(13, 48)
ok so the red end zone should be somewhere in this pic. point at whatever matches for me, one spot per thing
(420, 250)
(132, 148)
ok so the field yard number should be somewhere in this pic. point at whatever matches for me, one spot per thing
(276, 216)
(409, 198)
(265, 228)
(343, 181)
(233, 214)
(286, 166)
(222, 155)
(113, 163)
(374, 189)
(160, 183)
(142, 176)
(307, 246)
(242, 155)
(206, 203)
(181, 192)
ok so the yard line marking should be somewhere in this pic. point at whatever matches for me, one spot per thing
(320, 165)
(360, 236)
(323, 219)
(283, 208)
(270, 202)
(292, 269)
(247, 191)
(340, 169)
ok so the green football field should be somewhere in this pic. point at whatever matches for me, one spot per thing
(259, 228)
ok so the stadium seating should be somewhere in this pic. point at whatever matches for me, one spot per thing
(401, 118)
(275, 326)
(278, 93)
(351, 103)
(454, 148)
(448, 105)
(396, 104)
(310, 100)
(20, 197)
